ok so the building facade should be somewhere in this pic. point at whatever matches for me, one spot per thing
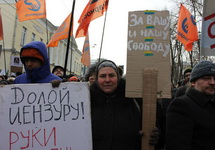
(17, 34)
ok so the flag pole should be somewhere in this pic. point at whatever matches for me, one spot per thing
(2, 38)
(70, 69)
(47, 38)
(4, 59)
(68, 41)
(102, 36)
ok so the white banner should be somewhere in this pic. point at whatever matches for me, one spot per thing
(39, 117)
(208, 29)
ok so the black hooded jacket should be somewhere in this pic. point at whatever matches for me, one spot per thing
(116, 120)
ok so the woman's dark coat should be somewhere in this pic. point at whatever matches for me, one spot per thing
(116, 120)
(191, 122)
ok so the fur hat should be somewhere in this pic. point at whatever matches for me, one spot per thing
(31, 53)
(203, 68)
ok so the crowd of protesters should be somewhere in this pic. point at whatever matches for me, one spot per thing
(184, 122)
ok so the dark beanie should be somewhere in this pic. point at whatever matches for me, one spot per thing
(203, 68)
(56, 67)
(187, 70)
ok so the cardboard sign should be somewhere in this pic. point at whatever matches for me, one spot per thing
(39, 117)
(208, 29)
(148, 46)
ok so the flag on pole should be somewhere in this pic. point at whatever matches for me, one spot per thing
(86, 52)
(61, 33)
(187, 30)
(30, 9)
(208, 29)
(93, 10)
(1, 27)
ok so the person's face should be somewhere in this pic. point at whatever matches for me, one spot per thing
(187, 76)
(92, 78)
(205, 85)
(32, 63)
(107, 79)
(58, 72)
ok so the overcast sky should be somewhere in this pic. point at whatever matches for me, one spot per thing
(114, 46)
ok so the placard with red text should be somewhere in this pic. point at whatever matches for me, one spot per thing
(39, 117)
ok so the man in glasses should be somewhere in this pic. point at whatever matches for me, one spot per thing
(190, 118)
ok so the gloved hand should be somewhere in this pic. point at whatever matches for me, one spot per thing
(55, 83)
(154, 136)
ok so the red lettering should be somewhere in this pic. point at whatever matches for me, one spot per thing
(53, 132)
(11, 138)
(28, 139)
(210, 28)
(34, 136)
(33, 139)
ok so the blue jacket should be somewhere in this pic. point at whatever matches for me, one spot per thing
(37, 75)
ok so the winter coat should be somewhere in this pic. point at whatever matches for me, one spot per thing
(37, 75)
(180, 91)
(191, 122)
(116, 120)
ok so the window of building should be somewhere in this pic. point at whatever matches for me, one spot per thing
(75, 66)
(41, 39)
(24, 34)
(33, 36)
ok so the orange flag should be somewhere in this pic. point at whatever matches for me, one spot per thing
(30, 9)
(61, 33)
(1, 27)
(86, 52)
(93, 10)
(187, 30)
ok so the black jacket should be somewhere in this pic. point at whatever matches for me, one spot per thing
(191, 122)
(116, 120)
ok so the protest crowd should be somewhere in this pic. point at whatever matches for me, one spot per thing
(116, 120)
(183, 120)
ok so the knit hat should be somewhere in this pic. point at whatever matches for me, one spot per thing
(187, 70)
(73, 78)
(32, 53)
(57, 67)
(203, 68)
(107, 63)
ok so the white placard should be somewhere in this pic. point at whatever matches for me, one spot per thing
(39, 117)
(208, 29)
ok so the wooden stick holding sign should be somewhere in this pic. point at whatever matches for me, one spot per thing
(150, 77)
